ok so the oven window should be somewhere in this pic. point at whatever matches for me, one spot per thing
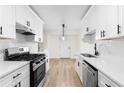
(39, 74)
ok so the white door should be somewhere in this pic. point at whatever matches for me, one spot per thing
(65, 49)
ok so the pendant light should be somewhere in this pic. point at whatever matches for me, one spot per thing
(63, 36)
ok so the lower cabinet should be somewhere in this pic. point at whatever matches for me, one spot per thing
(104, 81)
(78, 67)
(18, 78)
(47, 64)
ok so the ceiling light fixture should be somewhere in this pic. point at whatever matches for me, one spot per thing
(63, 34)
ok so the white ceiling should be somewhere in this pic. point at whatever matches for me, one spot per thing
(56, 15)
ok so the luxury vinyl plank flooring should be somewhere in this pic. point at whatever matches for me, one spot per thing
(62, 74)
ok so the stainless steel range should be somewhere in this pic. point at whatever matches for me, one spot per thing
(37, 63)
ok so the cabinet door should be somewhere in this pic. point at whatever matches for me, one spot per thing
(111, 21)
(33, 19)
(95, 23)
(104, 81)
(107, 16)
(102, 21)
(30, 18)
(121, 20)
(26, 17)
(39, 32)
(26, 80)
(77, 66)
(92, 19)
(7, 21)
(21, 14)
(84, 27)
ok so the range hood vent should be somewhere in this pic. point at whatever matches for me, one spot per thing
(23, 30)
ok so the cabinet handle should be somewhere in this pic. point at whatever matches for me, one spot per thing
(78, 64)
(1, 30)
(107, 85)
(16, 75)
(30, 30)
(87, 29)
(103, 33)
(19, 84)
(28, 23)
(118, 29)
(37, 62)
(83, 63)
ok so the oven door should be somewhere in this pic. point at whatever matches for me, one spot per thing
(39, 74)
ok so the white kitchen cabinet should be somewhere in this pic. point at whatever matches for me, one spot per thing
(112, 21)
(21, 14)
(86, 24)
(104, 81)
(25, 16)
(121, 21)
(106, 20)
(83, 28)
(7, 21)
(102, 20)
(39, 31)
(47, 64)
(78, 67)
(18, 78)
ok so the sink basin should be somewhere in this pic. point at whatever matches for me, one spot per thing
(88, 55)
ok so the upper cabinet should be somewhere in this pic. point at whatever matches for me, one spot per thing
(7, 21)
(26, 17)
(106, 20)
(22, 16)
(39, 31)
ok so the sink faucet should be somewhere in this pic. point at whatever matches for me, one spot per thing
(96, 51)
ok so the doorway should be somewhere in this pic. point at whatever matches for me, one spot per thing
(65, 48)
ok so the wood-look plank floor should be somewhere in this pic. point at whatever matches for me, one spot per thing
(62, 74)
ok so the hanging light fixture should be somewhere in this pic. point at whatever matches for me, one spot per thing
(63, 37)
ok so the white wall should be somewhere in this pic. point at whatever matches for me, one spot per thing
(54, 42)
(19, 41)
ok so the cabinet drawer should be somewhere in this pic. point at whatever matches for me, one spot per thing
(14, 77)
(104, 81)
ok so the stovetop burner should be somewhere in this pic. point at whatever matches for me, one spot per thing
(27, 57)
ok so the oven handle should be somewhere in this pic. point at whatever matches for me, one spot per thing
(38, 65)
(37, 62)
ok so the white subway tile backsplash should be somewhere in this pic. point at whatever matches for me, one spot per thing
(111, 47)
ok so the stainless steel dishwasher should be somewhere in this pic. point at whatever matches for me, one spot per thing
(90, 75)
